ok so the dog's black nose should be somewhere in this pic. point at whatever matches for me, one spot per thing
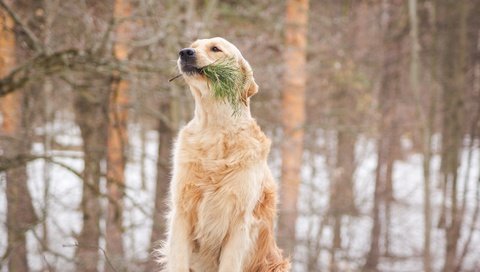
(187, 53)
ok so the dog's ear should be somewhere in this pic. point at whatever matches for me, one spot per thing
(251, 86)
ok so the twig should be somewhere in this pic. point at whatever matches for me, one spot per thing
(159, 115)
(76, 244)
(32, 40)
(19, 160)
(106, 37)
(49, 250)
(175, 77)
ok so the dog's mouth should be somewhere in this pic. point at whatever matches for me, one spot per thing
(190, 69)
(187, 69)
(188, 66)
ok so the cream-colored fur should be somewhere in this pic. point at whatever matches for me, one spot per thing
(222, 194)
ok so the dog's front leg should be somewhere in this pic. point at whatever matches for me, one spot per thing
(236, 249)
(179, 245)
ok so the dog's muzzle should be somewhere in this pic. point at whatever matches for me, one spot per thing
(188, 61)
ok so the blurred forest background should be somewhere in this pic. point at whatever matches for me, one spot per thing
(379, 132)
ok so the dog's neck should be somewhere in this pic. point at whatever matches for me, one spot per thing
(211, 112)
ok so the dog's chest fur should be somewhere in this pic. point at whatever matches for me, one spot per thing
(224, 183)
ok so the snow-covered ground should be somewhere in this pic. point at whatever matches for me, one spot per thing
(407, 221)
(406, 233)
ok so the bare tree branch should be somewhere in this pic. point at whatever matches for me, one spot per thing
(22, 159)
(32, 40)
(99, 248)
(17, 161)
(58, 62)
(38, 67)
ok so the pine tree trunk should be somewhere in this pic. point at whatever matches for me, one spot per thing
(293, 119)
(117, 143)
(20, 213)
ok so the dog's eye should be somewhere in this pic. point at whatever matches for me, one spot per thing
(216, 49)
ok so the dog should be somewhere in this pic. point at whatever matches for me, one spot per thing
(222, 194)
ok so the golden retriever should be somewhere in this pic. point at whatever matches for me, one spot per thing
(222, 194)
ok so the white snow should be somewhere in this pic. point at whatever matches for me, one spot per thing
(406, 233)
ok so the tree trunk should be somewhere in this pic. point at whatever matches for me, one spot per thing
(342, 200)
(336, 242)
(474, 131)
(13, 107)
(48, 117)
(427, 118)
(165, 143)
(91, 99)
(452, 16)
(293, 118)
(91, 116)
(388, 130)
(117, 143)
(341, 193)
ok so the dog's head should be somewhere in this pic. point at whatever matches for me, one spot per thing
(204, 52)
